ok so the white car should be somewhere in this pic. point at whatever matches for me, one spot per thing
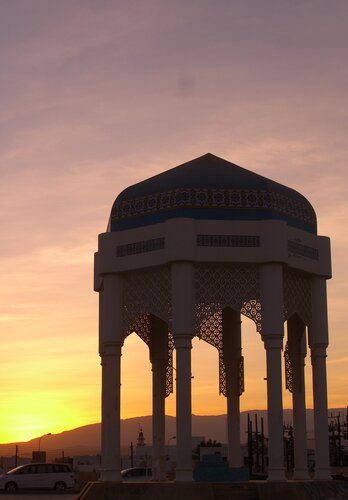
(46, 476)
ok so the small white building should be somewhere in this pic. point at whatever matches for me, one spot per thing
(87, 463)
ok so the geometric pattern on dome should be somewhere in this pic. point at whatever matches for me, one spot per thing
(246, 200)
(220, 286)
(144, 293)
(296, 295)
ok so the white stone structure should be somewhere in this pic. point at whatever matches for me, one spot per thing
(186, 253)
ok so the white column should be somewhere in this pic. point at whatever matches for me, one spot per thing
(159, 360)
(158, 419)
(110, 343)
(183, 325)
(297, 354)
(110, 432)
(272, 334)
(232, 351)
(322, 458)
(318, 341)
(183, 408)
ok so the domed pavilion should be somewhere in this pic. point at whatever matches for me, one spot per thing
(187, 253)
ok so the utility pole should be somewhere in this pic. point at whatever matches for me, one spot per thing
(132, 454)
(262, 447)
(250, 445)
(257, 445)
(335, 437)
(289, 446)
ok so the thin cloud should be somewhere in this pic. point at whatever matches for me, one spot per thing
(98, 95)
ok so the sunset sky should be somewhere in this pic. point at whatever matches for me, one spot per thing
(100, 94)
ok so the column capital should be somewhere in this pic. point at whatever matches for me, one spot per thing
(158, 364)
(183, 341)
(297, 349)
(296, 353)
(273, 341)
(318, 351)
(111, 348)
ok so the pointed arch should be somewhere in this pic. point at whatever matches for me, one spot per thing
(227, 285)
(143, 327)
(297, 295)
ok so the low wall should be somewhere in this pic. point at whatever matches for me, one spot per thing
(253, 490)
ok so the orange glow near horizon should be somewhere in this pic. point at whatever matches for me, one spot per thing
(42, 406)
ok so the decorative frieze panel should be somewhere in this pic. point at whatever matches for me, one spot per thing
(240, 200)
(140, 247)
(227, 240)
(297, 249)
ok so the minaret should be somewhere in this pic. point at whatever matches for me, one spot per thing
(141, 438)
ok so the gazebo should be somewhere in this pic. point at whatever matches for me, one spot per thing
(185, 254)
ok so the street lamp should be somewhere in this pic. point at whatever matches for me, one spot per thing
(48, 434)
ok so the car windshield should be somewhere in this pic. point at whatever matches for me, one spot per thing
(136, 471)
(14, 471)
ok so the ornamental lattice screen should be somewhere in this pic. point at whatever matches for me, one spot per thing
(144, 293)
(297, 300)
(297, 295)
(220, 286)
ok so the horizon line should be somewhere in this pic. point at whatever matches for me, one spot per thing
(343, 408)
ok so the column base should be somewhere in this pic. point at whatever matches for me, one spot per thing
(110, 475)
(276, 475)
(300, 474)
(158, 469)
(322, 474)
(183, 475)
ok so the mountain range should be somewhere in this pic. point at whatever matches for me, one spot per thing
(85, 440)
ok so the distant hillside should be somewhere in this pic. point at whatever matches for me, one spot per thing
(86, 439)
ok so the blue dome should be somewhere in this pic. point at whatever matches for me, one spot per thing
(210, 188)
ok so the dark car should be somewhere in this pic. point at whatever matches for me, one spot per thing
(136, 474)
(340, 477)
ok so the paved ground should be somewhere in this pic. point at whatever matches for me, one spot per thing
(40, 496)
(256, 490)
